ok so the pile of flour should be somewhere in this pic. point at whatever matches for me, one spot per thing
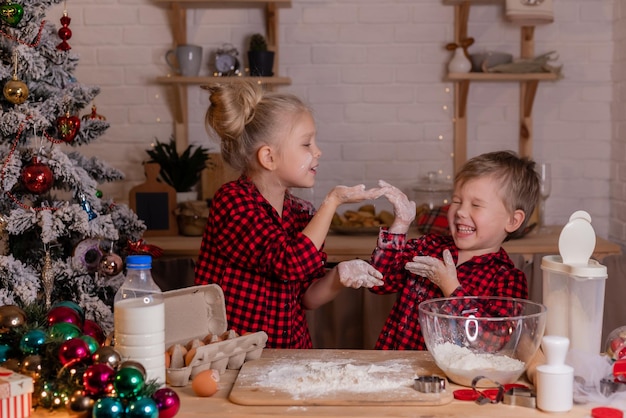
(454, 359)
(320, 378)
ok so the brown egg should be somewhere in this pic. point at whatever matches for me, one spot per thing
(204, 384)
(189, 356)
(168, 360)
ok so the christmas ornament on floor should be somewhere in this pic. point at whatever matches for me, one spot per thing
(11, 13)
(15, 90)
(73, 370)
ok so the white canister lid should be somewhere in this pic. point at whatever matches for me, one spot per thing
(578, 239)
(592, 270)
(576, 244)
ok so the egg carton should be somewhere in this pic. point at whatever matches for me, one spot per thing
(192, 313)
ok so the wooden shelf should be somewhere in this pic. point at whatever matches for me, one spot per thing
(176, 79)
(528, 84)
(502, 77)
(222, 2)
(178, 14)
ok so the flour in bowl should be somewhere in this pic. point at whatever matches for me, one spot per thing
(461, 365)
(319, 378)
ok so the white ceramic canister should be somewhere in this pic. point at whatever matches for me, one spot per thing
(555, 379)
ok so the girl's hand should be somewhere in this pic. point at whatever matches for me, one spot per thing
(358, 273)
(354, 194)
(404, 209)
(441, 273)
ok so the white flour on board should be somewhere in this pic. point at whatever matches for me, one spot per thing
(319, 378)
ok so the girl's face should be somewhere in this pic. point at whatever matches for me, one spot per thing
(479, 220)
(299, 154)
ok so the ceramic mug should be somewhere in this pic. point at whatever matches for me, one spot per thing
(185, 59)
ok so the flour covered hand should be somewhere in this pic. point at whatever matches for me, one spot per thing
(358, 273)
(403, 208)
(354, 194)
(440, 273)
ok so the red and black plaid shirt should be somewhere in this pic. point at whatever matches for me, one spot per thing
(486, 275)
(262, 262)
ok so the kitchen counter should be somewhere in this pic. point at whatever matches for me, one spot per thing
(347, 247)
(219, 406)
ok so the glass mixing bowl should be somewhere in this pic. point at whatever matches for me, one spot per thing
(493, 337)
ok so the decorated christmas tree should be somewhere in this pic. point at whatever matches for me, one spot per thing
(62, 243)
(60, 238)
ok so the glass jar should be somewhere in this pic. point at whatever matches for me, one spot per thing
(432, 191)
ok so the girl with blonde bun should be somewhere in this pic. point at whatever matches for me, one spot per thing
(262, 244)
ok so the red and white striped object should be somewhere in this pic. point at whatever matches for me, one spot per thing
(16, 392)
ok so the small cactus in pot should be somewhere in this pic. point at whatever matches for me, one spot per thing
(260, 59)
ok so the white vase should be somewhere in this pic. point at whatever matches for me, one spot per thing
(186, 196)
(459, 62)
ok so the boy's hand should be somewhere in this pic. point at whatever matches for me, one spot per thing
(441, 273)
(403, 208)
(358, 273)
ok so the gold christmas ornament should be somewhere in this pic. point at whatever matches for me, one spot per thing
(15, 90)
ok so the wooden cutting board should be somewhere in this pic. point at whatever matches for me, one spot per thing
(337, 377)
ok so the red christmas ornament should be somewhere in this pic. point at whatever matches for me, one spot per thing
(65, 32)
(94, 330)
(68, 127)
(73, 350)
(64, 314)
(94, 114)
(36, 177)
(140, 247)
(167, 401)
(98, 379)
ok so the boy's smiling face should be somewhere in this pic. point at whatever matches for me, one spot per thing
(479, 220)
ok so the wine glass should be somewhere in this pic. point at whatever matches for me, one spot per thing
(545, 178)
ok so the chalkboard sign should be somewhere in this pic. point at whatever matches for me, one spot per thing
(154, 203)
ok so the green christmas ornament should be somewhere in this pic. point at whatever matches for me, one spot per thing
(108, 408)
(142, 408)
(64, 331)
(11, 13)
(5, 352)
(33, 341)
(128, 382)
(92, 343)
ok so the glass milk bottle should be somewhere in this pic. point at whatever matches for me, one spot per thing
(139, 319)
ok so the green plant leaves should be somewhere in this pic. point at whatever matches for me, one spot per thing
(181, 171)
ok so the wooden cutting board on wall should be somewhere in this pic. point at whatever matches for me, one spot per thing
(154, 203)
(337, 377)
(216, 175)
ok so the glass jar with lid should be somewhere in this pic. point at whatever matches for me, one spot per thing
(432, 191)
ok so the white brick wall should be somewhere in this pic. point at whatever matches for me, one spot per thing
(372, 70)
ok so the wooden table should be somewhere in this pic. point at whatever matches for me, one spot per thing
(347, 247)
(219, 406)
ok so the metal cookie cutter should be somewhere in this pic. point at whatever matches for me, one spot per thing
(429, 384)
(518, 396)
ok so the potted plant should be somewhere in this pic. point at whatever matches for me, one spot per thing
(260, 60)
(181, 171)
